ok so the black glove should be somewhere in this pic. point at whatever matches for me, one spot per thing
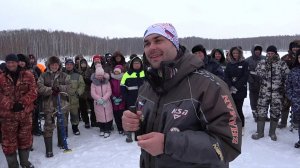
(55, 90)
(18, 107)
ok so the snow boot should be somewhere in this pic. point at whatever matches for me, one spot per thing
(48, 146)
(260, 129)
(273, 126)
(75, 130)
(24, 156)
(106, 134)
(12, 160)
(297, 144)
(129, 137)
(87, 125)
(281, 125)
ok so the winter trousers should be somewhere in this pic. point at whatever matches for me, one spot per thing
(274, 101)
(74, 115)
(239, 107)
(105, 127)
(118, 119)
(253, 94)
(16, 133)
(36, 116)
(83, 110)
(49, 125)
(285, 110)
(91, 105)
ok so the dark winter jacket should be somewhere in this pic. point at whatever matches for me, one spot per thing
(290, 58)
(236, 75)
(195, 111)
(293, 91)
(254, 80)
(131, 81)
(86, 74)
(212, 66)
(17, 87)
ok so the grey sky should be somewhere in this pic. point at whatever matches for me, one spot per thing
(130, 18)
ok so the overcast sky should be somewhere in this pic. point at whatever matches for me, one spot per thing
(130, 18)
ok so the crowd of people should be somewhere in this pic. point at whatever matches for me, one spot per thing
(99, 94)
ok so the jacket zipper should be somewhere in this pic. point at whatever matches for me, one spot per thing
(103, 106)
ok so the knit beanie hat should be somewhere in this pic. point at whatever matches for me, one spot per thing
(96, 56)
(118, 68)
(69, 61)
(99, 70)
(272, 48)
(11, 57)
(165, 29)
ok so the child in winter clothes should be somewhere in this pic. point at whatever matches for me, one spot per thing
(101, 92)
(117, 98)
(293, 93)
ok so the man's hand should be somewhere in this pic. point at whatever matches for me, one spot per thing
(131, 121)
(152, 143)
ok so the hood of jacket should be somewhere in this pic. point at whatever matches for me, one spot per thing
(222, 54)
(99, 82)
(241, 55)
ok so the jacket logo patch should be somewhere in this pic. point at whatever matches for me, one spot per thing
(177, 113)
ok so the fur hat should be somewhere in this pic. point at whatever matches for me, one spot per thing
(165, 29)
(53, 60)
(272, 48)
(199, 47)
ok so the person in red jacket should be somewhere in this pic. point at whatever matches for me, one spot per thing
(18, 91)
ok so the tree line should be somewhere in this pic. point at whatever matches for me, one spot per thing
(43, 43)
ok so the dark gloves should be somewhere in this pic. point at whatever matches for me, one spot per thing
(55, 90)
(18, 107)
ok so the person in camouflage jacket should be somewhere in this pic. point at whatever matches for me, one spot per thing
(76, 90)
(273, 73)
(293, 93)
(18, 92)
(290, 60)
(50, 84)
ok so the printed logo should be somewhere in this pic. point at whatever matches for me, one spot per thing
(177, 113)
(174, 129)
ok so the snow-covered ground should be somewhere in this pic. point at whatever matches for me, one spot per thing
(89, 150)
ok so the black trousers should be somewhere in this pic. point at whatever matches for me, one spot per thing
(36, 124)
(239, 107)
(118, 119)
(83, 110)
(253, 99)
